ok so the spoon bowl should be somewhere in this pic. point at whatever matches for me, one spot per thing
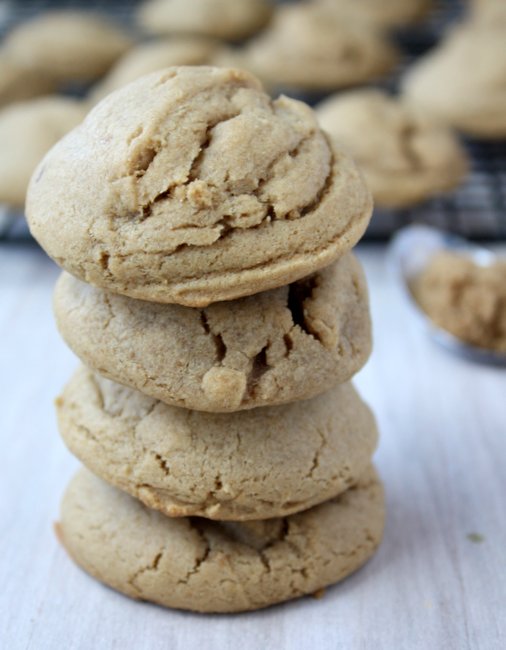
(410, 251)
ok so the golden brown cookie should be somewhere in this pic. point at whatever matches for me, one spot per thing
(208, 566)
(152, 56)
(384, 13)
(227, 19)
(279, 346)
(67, 45)
(406, 156)
(256, 464)
(18, 82)
(308, 47)
(192, 186)
(462, 81)
(27, 131)
(488, 12)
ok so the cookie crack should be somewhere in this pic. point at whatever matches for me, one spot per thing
(281, 537)
(162, 463)
(224, 225)
(219, 343)
(271, 216)
(271, 210)
(111, 314)
(199, 561)
(275, 258)
(151, 566)
(318, 452)
(259, 366)
(148, 155)
(324, 190)
(298, 293)
(206, 142)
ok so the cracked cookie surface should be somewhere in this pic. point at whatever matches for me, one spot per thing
(405, 155)
(205, 566)
(192, 186)
(254, 464)
(278, 346)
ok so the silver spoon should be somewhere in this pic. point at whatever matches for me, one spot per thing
(410, 251)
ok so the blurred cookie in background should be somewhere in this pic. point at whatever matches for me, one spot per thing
(308, 47)
(69, 46)
(491, 13)
(153, 56)
(226, 19)
(17, 82)
(384, 13)
(27, 131)
(228, 56)
(405, 155)
(462, 81)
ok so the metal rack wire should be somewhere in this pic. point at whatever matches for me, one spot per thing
(477, 209)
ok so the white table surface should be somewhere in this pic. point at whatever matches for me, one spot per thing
(442, 456)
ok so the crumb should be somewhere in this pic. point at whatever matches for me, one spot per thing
(475, 537)
(465, 299)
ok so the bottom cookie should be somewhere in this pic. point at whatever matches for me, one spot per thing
(209, 566)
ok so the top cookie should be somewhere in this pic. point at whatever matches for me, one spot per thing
(67, 45)
(192, 186)
(406, 155)
(228, 19)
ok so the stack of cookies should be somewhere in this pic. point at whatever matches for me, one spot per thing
(205, 233)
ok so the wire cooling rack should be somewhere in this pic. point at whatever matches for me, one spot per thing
(476, 210)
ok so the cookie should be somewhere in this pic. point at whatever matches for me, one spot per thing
(27, 131)
(387, 13)
(488, 12)
(18, 83)
(208, 566)
(67, 45)
(192, 186)
(254, 464)
(227, 19)
(278, 346)
(474, 102)
(308, 47)
(152, 56)
(406, 156)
